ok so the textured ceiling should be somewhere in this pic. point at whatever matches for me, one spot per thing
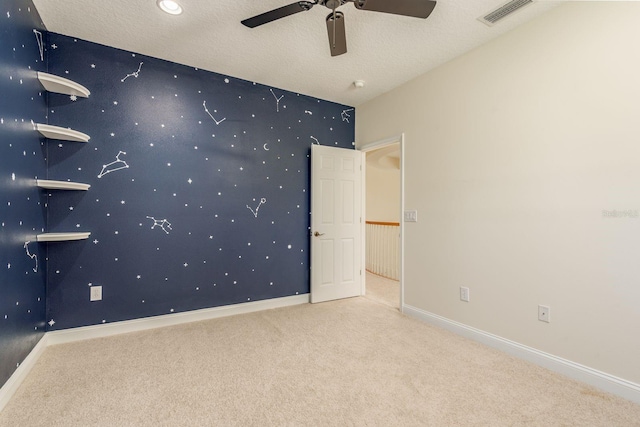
(384, 50)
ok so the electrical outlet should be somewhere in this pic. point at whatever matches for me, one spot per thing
(464, 294)
(96, 293)
(544, 313)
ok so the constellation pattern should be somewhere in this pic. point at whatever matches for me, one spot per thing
(34, 257)
(40, 44)
(204, 104)
(259, 153)
(134, 74)
(116, 165)
(277, 100)
(255, 213)
(345, 115)
(162, 223)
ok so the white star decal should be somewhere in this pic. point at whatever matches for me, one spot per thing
(51, 322)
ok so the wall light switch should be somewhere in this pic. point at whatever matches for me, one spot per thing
(96, 293)
(411, 216)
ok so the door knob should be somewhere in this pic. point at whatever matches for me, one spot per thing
(318, 234)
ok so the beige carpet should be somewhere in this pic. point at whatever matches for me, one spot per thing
(352, 362)
(383, 290)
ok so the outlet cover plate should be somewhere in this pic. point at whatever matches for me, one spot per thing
(96, 293)
(544, 313)
(464, 294)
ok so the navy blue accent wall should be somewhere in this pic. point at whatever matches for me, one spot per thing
(22, 159)
(199, 186)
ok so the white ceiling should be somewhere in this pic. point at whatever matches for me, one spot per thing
(292, 53)
(384, 158)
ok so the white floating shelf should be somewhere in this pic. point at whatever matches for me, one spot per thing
(62, 237)
(59, 84)
(57, 132)
(61, 185)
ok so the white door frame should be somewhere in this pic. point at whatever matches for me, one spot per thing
(399, 139)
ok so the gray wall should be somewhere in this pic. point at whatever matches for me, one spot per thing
(522, 160)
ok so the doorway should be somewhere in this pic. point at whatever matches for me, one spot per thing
(383, 235)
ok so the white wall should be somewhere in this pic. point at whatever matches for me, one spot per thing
(513, 152)
(383, 194)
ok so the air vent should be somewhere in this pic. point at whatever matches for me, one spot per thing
(503, 11)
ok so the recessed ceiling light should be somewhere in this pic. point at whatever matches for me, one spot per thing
(170, 6)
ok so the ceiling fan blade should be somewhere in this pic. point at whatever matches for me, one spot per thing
(281, 12)
(337, 35)
(415, 8)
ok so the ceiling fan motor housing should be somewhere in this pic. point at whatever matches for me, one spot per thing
(332, 4)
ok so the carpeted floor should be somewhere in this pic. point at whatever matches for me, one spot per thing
(383, 290)
(354, 362)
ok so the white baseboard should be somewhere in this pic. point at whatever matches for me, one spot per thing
(143, 324)
(116, 328)
(14, 381)
(606, 382)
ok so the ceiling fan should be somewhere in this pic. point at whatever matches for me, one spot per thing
(335, 20)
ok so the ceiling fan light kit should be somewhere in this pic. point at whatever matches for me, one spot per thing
(335, 20)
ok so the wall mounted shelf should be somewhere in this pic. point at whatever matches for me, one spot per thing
(61, 185)
(57, 132)
(62, 237)
(57, 84)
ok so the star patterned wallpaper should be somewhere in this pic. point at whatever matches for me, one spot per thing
(199, 186)
(22, 205)
(199, 190)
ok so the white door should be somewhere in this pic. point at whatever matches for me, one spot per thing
(336, 223)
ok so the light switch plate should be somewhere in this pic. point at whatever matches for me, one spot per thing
(411, 216)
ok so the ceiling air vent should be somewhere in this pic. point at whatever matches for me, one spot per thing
(503, 11)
